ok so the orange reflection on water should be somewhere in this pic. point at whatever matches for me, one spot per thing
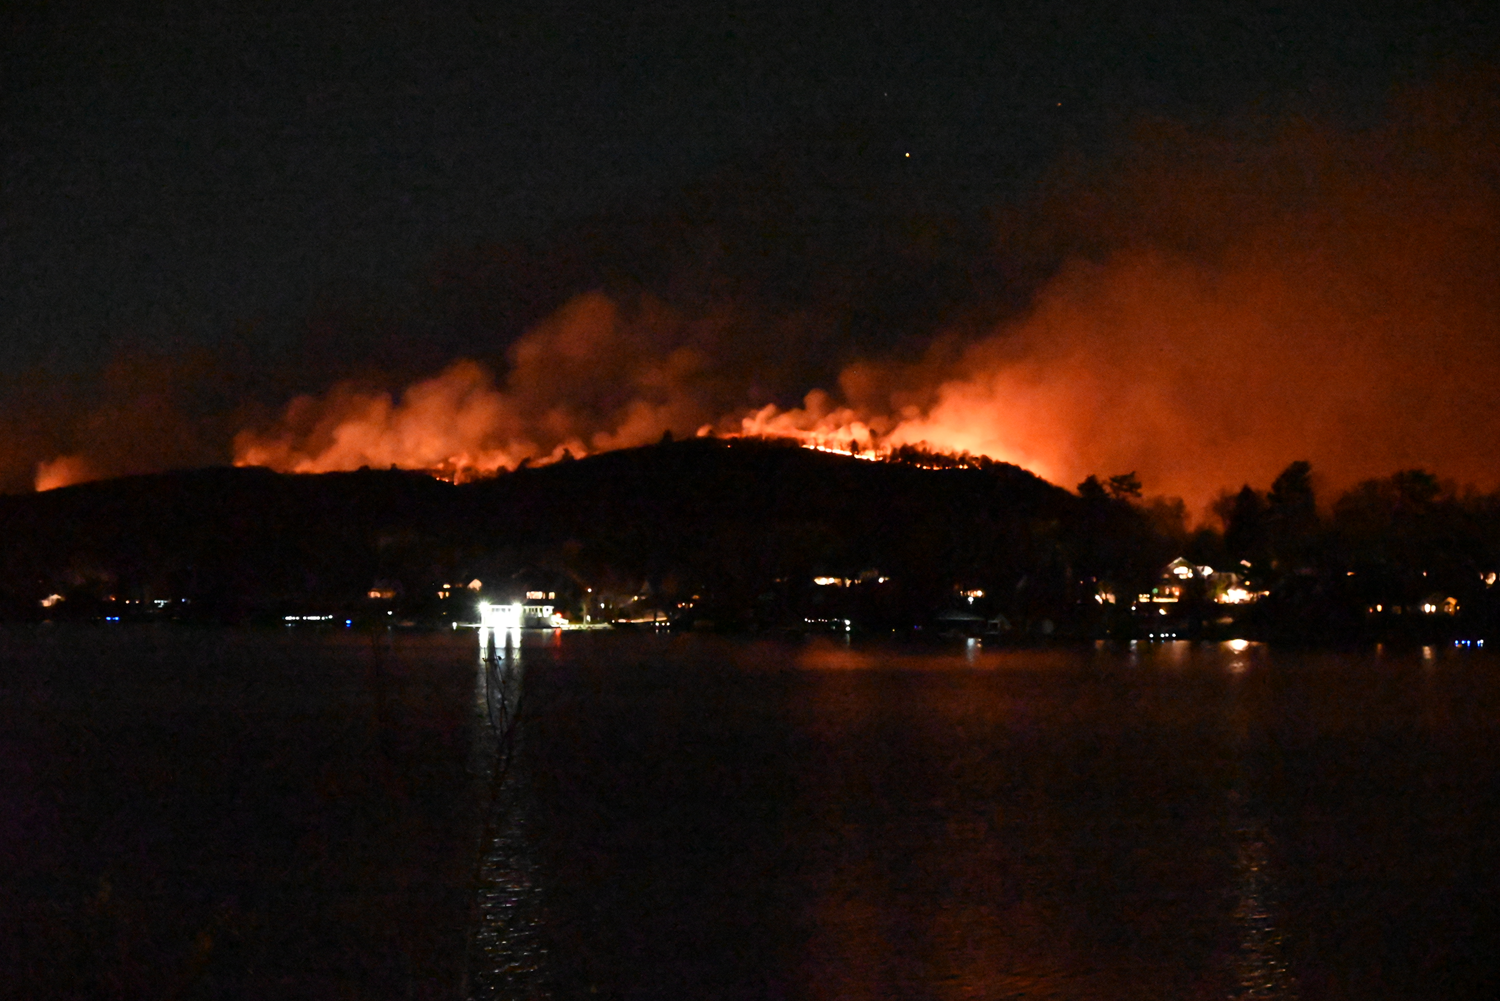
(987, 830)
(822, 654)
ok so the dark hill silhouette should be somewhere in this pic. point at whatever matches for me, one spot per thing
(744, 524)
(732, 533)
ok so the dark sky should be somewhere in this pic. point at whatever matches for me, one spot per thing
(282, 187)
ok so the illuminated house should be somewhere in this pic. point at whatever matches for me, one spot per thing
(384, 590)
(1182, 580)
(536, 612)
(496, 616)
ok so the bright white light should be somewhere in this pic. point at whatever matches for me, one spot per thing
(494, 616)
(1239, 646)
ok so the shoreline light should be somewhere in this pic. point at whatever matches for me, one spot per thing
(497, 616)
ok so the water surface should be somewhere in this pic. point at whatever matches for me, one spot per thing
(730, 819)
(237, 814)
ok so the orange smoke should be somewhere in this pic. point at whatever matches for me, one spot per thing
(63, 471)
(1227, 306)
(1308, 296)
(1197, 377)
(586, 380)
(451, 422)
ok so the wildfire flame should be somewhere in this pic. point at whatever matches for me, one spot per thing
(587, 380)
(449, 424)
(1225, 306)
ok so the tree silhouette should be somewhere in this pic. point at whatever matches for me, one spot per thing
(1292, 514)
(1092, 490)
(1244, 518)
(1124, 486)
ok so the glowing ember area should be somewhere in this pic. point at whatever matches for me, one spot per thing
(64, 471)
(873, 435)
(819, 425)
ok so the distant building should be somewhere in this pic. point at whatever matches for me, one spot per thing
(539, 615)
(384, 590)
(1183, 580)
(498, 616)
(519, 615)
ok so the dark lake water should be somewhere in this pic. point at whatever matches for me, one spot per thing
(331, 815)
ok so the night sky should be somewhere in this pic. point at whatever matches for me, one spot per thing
(208, 209)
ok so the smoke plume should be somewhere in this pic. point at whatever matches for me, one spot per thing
(1221, 303)
(1227, 304)
(588, 379)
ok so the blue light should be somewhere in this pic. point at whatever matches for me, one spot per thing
(348, 623)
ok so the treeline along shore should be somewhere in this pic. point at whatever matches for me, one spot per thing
(756, 535)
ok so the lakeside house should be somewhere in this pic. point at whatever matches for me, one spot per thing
(535, 612)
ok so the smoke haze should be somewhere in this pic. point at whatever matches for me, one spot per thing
(1221, 303)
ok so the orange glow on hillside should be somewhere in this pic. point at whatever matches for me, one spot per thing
(1224, 305)
(64, 471)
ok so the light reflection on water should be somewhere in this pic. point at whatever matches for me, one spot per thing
(963, 822)
(1260, 965)
(509, 956)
